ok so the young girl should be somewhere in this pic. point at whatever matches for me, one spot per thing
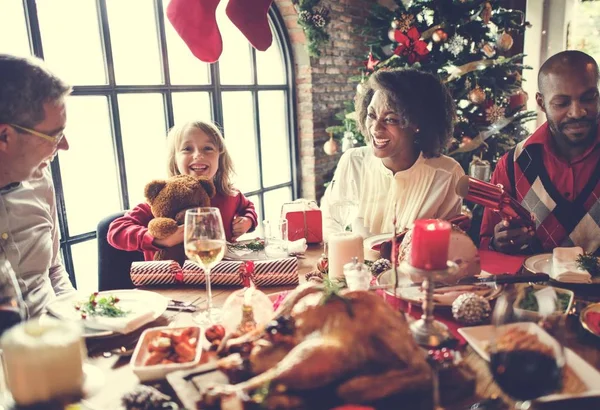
(197, 149)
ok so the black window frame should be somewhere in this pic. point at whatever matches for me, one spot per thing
(214, 88)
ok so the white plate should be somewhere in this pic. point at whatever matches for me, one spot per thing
(371, 241)
(539, 263)
(408, 292)
(478, 338)
(133, 300)
(248, 255)
(542, 264)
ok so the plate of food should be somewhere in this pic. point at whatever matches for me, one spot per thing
(411, 292)
(543, 263)
(107, 313)
(590, 319)
(579, 377)
(526, 302)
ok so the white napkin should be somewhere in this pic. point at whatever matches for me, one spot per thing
(297, 247)
(565, 268)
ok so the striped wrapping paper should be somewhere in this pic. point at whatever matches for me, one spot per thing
(274, 272)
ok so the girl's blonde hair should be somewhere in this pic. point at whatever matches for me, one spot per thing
(223, 176)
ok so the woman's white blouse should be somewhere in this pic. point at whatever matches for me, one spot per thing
(425, 190)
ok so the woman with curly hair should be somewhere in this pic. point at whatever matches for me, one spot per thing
(407, 118)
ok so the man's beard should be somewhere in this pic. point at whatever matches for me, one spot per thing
(558, 131)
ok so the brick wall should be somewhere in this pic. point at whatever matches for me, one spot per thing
(322, 84)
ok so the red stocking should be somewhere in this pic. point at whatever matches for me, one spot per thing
(196, 24)
(250, 16)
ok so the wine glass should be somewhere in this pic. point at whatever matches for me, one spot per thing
(344, 204)
(276, 238)
(205, 244)
(12, 308)
(526, 354)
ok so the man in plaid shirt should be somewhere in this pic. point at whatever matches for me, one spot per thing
(555, 173)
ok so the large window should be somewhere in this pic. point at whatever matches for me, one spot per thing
(583, 28)
(133, 79)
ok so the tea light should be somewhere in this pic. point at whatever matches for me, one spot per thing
(343, 246)
(430, 243)
(358, 276)
(43, 361)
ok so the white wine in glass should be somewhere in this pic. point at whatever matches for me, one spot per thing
(205, 244)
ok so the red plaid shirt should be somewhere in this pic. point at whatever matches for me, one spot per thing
(560, 193)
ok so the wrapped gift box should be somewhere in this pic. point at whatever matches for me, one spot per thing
(304, 220)
(273, 272)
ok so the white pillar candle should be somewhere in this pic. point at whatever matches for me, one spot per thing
(342, 247)
(43, 361)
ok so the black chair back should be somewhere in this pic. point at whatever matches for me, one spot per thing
(113, 264)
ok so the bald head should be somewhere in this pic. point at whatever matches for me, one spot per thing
(567, 62)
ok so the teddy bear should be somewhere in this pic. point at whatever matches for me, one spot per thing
(168, 200)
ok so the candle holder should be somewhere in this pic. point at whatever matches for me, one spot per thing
(427, 331)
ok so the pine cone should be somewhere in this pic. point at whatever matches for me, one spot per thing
(314, 276)
(144, 398)
(380, 265)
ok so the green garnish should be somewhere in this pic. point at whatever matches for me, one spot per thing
(254, 245)
(105, 306)
(529, 302)
(333, 290)
(589, 262)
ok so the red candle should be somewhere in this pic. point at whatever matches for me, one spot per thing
(430, 242)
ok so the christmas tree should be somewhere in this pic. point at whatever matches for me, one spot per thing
(467, 44)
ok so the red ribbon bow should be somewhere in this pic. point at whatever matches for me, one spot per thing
(246, 271)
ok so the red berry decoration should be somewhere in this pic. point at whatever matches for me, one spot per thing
(215, 332)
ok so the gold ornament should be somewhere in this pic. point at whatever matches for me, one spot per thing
(494, 113)
(405, 22)
(486, 13)
(505, 42)
(488, 50)
(439, 36)
(477, 95)
(330, 146)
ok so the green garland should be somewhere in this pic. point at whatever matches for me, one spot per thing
(314, 20)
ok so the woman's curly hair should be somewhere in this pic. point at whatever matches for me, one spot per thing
(419, 98)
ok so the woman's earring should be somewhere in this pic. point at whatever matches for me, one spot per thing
(417, 130)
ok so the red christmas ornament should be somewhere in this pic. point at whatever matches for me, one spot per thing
(370, 63)
(411, 46)
(518, 100)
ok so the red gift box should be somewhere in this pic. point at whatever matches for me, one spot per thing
(304, 220)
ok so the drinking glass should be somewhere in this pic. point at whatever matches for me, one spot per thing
(276, 238)
(344, 204)
(205, 244)
(526, 360)
(12, 308)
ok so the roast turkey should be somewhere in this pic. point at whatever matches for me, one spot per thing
(355, 343)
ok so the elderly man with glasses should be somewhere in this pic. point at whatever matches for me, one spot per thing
(32, 121)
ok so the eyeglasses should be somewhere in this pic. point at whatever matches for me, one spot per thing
(54, 140)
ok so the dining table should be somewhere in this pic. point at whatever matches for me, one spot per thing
(119, 379)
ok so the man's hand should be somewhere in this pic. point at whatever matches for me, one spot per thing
(240, 226)
(171, 240)
(510, 238)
